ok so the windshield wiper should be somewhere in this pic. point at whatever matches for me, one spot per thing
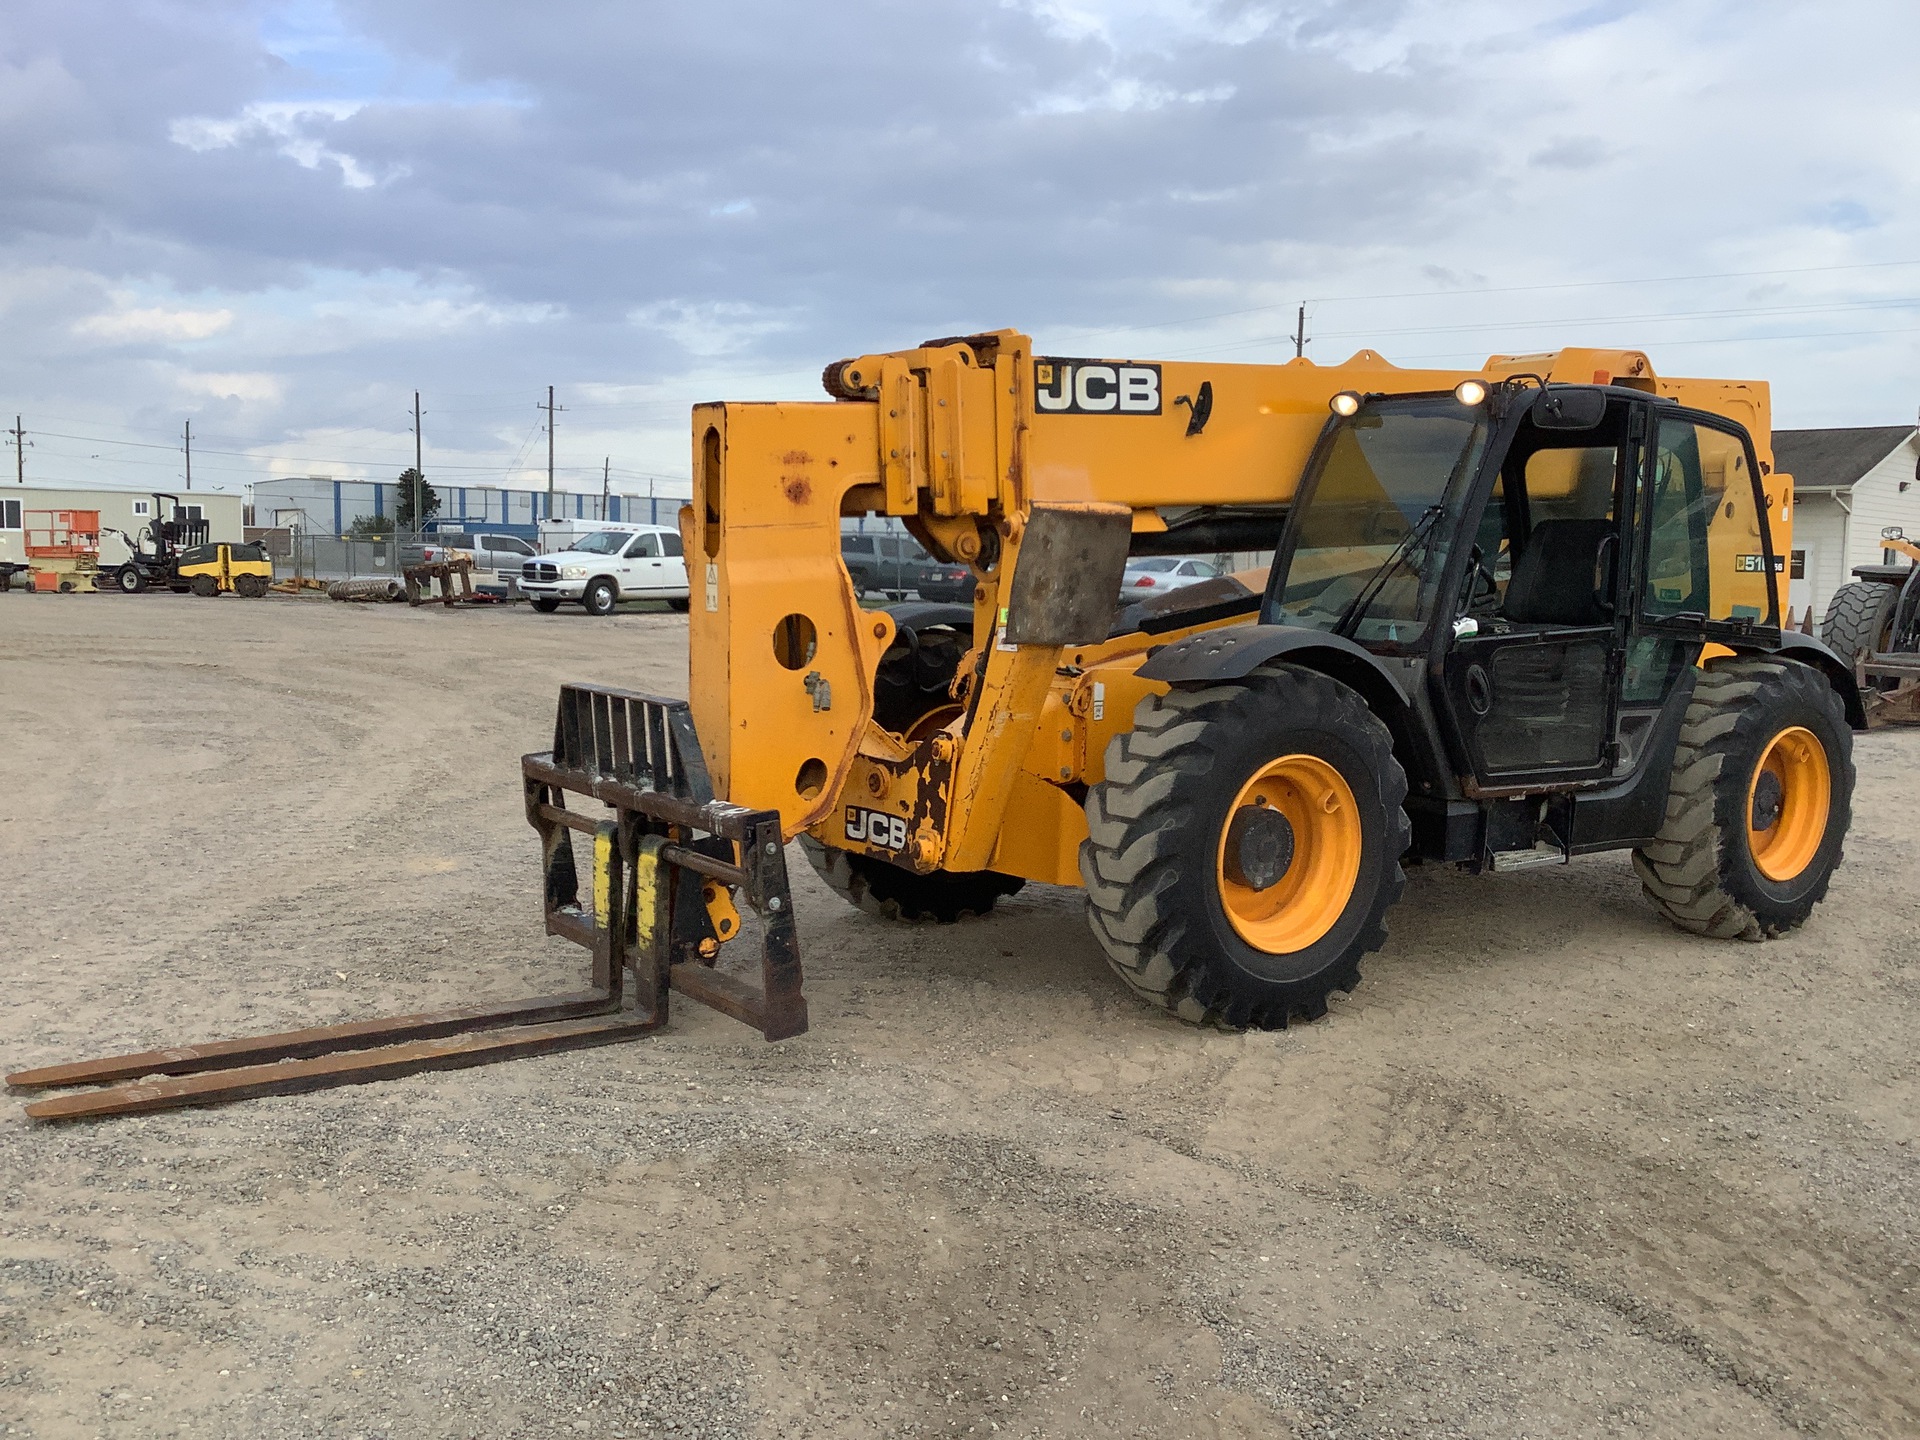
(1357, 608)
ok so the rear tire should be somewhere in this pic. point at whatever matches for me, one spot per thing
(914, 680)
(599, 598)
(545, 606)
(890, 893)
(1857, 618)
(205, 586)
(680, 605)
(1162, 898)
(1708, 870)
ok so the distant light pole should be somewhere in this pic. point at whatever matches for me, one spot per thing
(551, 410)
(419, 474)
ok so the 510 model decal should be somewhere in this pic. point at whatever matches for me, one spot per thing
(1095, 387)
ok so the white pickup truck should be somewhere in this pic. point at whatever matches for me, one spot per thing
(597, 572)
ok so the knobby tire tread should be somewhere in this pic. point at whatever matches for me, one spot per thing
(1696, 870)
(1141, 823)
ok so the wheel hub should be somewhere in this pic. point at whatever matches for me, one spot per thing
(1788, 804)
(1288, 857)
(1259, 849)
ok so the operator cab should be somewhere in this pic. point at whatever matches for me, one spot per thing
(1540, 563)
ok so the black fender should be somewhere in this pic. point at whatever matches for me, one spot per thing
(1235, 651)
(1805, 650)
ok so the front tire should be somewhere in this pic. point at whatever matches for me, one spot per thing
(1758, 806)
(545, 605)
(1207, 906)
(131, 580)
(600, 598)
(205, 586)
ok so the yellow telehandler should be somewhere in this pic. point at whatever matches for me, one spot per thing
(1512, 616)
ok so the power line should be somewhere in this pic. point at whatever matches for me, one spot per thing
(1496, 326)
(1720, 340)
(1496, 290)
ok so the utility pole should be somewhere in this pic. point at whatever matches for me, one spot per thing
(19, 452)
(419, 475)
(606, 479)
(189, 454)
(1300, 332)
(551, 410)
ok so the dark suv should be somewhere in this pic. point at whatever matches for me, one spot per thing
(895, 564)
(939, 580)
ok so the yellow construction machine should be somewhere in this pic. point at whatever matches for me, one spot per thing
(1512, 616)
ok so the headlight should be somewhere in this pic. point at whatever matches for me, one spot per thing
(1470, 392)
(573, 572)
(1344, 404)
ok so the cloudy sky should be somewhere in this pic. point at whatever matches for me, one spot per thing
(280, 219)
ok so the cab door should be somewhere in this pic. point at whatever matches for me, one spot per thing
(647, 570)
(1530, 682)
(673, 565)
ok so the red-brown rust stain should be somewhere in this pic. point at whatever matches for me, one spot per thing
(797, 489)
(796, 457)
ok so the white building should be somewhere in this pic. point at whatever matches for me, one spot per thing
(126, 510)
(1847, 485)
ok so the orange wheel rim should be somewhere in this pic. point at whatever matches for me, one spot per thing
(1302, 905)
(1787, 802)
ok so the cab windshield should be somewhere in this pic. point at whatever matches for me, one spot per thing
(601, 542)
(1375, 515)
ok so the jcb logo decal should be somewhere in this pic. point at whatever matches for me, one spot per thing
(1095, 387)
(877, 828)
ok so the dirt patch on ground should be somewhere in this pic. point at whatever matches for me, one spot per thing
(1553, 1170)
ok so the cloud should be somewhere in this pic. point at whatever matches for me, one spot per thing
(252, 387)
(155, 322)
(293, 128)
(668, 203)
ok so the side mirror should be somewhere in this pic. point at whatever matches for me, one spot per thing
(1570, 407)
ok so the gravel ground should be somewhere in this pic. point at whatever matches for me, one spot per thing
(1553, 1170)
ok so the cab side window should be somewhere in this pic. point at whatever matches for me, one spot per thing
(644, 546)
(1705, 558)
(1559, 491)
(670, 542)
(1677, 579)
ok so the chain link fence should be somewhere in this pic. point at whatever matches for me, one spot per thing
(304, 555)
